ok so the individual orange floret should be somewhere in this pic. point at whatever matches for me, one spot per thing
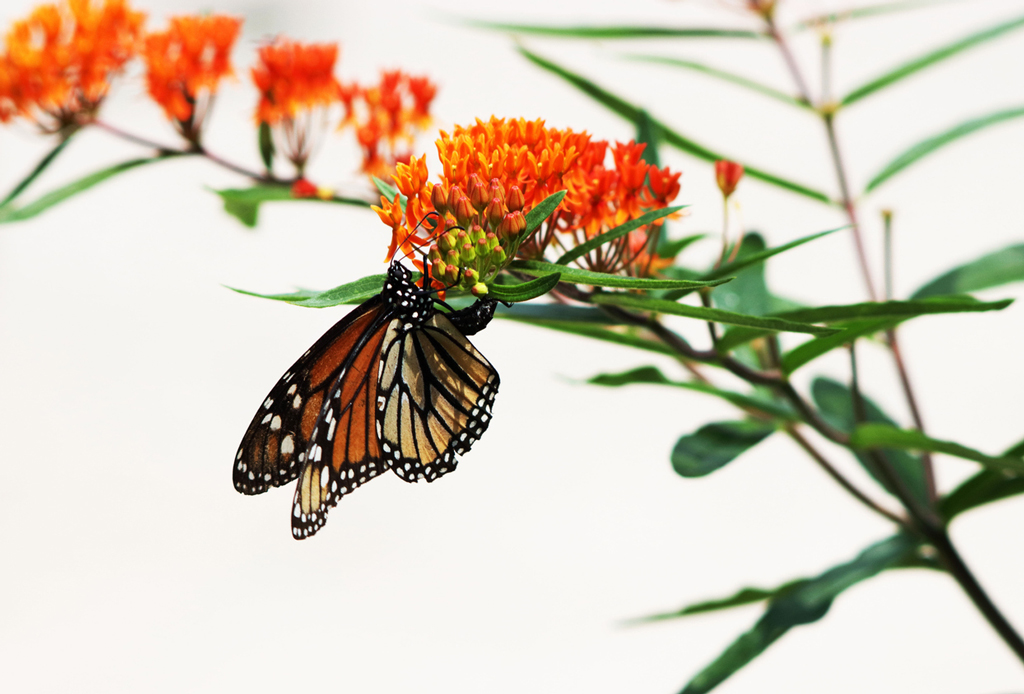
(59, 60)
(296, 83)
(185, 64)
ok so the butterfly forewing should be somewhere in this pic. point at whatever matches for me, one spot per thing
(343, 449)
(436, 392)
(273, 449)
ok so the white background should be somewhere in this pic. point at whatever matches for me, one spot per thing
(128, 375)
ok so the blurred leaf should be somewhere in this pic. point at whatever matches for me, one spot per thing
(36, 170)
(812, 349)
(244, 203)
(835, 402)
(983, 488)
(618, 232)
(895, 309)
(929, 145)
(536, 216)
(929, 59)
(995, 269)
(748, 291)
(887, 436)
(627, 338)
(643, 303)
(633, 114)
(652, 376)
(266, 145)
(745, 596)
(747, 260)
(556, 312)
(616, 32)
(350, 293)
(10, 213)
(648, 132)
(670, 249)
(574, 275)
(715, 445)
(722, 75)
(804, 602)
(389, 191)
(525, 291)
(867, 12)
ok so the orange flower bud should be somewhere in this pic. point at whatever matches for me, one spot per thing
(728, 174)
(463, 211)
(479, 193)
(302, 188)
(438, 199)
(496, 190)
(496, 211)
(515, 200)
(454, 193)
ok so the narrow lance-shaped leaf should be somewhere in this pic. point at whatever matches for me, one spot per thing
(983, 488)
(266, 146)
(804, 603)
(244, 203)
(644, 303)
(748, 260)
(885, 436)
(525, 291)
(715, 445)
(618, 232)
(11, 213)
(992, 270)
(653, 376)
(670, 248)
(648, 133)
(866, 12)
(927, 146)
(835, 402)
(931, 58)
(744, 596)
(351, 292)
(633, 114)
(616, 32)
(536, 216)
(574, 275)
(722, 75)
(36, 170)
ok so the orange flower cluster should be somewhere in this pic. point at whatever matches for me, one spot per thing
(58, 62)
(297, 85)
(386, 118)
(184, 65)
(496, 171)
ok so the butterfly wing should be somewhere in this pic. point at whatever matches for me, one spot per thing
(343, 450)
(436, 392)
(274, 448)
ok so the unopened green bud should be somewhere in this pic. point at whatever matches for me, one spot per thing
(468, 253)
(479, 289)
(498, 256)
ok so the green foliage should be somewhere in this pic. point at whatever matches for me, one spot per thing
(244, 203)
(538, 268)
(744, 596)
(35, 172)
(992, 270)
(746, 260)
(616, 233)
(617, 32)
(266, 146)
(883, 435)
(525, 290)
(803, 602)
(715, 445)
(536, 216)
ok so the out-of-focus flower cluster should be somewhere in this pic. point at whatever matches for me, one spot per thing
(58, 64)
(496, 171)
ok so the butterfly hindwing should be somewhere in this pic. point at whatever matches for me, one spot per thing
(436, 393)
(273, 448)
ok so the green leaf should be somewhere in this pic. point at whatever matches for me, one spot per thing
(618, 232)
(722, 75)
(644, 303)
(670, 249)
(866, 12)
(983, 488)
(835, 402)
(929, 59)
(745, 596)
(747, 260)
(895, 309)
(633, 114)
(10, 213)
(266, 145)
(812, 349)
(929, 145)
(803, 603)
(628, 338)
(886, 436)
(244, 203)
(389, 191)
(536, 216)
(36, 170)
(574, 275)
(993, 270)
(524, 291)
(748, 291)
(648, 132)
(556, 312)
(715, 445)
(617, 32)
(650, 375)
(350, 293)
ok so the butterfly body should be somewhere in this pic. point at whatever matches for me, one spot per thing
(394, 385)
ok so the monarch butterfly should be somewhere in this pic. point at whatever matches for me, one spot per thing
(394, 384)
